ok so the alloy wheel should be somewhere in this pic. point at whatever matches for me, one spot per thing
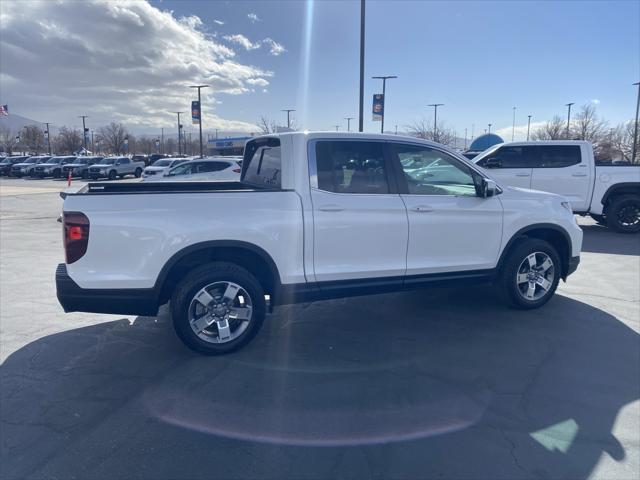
(535, 276)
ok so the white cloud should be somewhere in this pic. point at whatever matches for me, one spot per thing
(275, 48)
(261, 82)
(253, 18)
(126, 61)
(595, 101)
(520, 131)
(242, 41)
(219, 22)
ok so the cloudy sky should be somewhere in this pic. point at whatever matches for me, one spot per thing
(132, 60)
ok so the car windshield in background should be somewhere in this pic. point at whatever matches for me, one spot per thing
(109, 161)
(162, 163)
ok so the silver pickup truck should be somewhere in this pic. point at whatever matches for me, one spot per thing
(114, 167)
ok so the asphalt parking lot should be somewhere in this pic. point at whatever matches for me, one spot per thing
(447, 383)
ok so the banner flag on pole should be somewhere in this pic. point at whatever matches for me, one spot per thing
(378, 107)
(195, 112)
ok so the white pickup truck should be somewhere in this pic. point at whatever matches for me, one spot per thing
(609, 193)
(315, 216)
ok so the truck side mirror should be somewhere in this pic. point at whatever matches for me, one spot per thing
(488, 188)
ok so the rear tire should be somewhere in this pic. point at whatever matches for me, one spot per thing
(623, 214)
(112, 175)
(530, 284)
(187, 310)
(138, 172)
(84, 175)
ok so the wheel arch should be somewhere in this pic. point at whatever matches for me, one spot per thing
(554, 234)
(624, 188)
(247, 255)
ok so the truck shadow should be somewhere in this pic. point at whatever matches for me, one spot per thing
(422, 384)
(599, 239)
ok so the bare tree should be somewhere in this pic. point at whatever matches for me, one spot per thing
(553, 130)
(266, 125)
(146, 145)
(112, 137)
(617, 144)
(7, 139)
(424, 129)
(33, 138)
(170, 146)
(68, 140)
(588, 126)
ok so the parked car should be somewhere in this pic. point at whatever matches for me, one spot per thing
(315, 216)
(202, 170)
(80, 166)
(157, 156)
(52, 167)
(141, 158)
(162, 165)
(8, 162)
(610, 194)
(27, 167)
(114, 167)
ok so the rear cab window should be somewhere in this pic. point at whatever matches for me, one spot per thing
(262, 163)
(556, 156)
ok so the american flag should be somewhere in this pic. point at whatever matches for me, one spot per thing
(4, 110)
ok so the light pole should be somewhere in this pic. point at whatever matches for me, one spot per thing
(473, 126)
(490, 127)
(361, 106)
(48, 138)
(568, 105)
(384, 99)
(396, 129)
(513, 127)
(288, 110)
(435, 119)
(634, 150)
(179, 128)
(337, 127)
(465, 139)
(348, 119)
(528, 127)
(162, 144)
(200, 112)
(84, 131)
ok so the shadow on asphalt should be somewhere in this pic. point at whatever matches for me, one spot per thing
(421, 384)
(599, 239)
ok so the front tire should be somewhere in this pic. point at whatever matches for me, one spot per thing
(531, 274)
(138, 172)
(623, 214)
(112, 175)
(218, 308)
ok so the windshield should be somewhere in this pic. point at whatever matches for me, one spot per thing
(161, 163)
(108, 161)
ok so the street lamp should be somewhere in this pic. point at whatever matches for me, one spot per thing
(48, 137)
(435, 119)
(348, 119)
(513, 127)
(361, 100)
(384, 99)
(84, 132)
(490, 127)
(179, 128)
(528, 127)
(634, 150)
(337, 127)
(200, 112)
(288, 110)
(569, 116)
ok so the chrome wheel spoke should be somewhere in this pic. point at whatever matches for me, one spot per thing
(231, 292)
(204, 298)
(546, 265)
(522, 278)
(544, 283)
(223, 329)
(532, 260)
(240, 313)
(199, 324)
(531, 291)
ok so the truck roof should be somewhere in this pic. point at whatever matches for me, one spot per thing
(346, 135)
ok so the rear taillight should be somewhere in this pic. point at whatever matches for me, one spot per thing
(237, 170)
(75, 231)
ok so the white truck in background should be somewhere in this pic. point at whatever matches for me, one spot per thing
(314, 216)
(609, 193)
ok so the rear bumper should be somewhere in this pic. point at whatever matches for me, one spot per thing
(74, 298)
(572, 265)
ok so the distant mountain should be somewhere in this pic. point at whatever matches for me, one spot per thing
(16, 122)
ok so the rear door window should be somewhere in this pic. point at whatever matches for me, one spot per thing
(508, 157)
(556, 156)
(262, 163)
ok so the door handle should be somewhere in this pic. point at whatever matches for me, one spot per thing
(523, 174)
(330, 208)
(578, 174)
(422, 209)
